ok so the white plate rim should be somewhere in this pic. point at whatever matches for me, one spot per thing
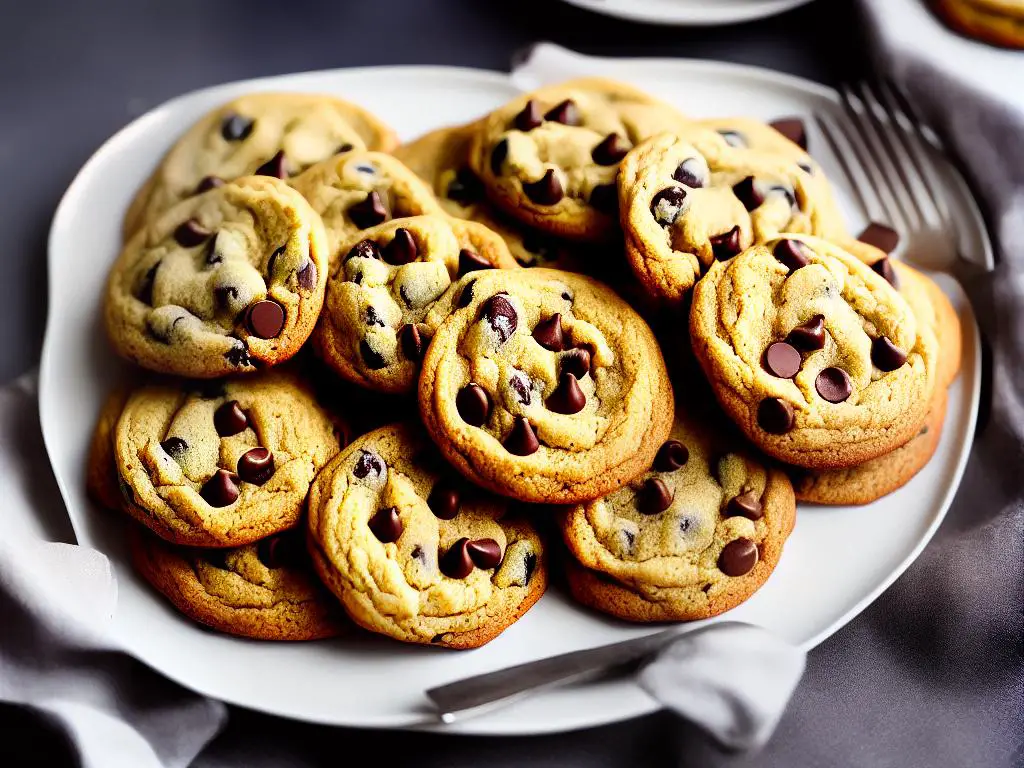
(69, 199)
(687, 13)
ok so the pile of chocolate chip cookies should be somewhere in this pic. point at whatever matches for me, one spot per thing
(403, 387)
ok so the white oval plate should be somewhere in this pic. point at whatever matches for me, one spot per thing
(688, 12)
(836, 562)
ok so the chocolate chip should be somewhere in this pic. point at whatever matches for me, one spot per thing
(667, 205)
(485, 553)
(402, 248)
(238, 355)
(236, 127)
(221, 490)
(690, 173)
(175, 447)
(565, 113)
(265, 319)
(283, 551)
(834, 385)
(738, 557)
(529, 118)
(548, 333)
(810, 335)
(791, 254)
(498, 155)
(444, 500)
(782, 360)
(368, 464)
(277, 166)
(386, 525)
(792, 128)
(605, 197)
(885, 268)
(734, 139)
(456, 562)
(307, 275)
(256, 466)
(745, 505)
(671, 456)
(547, 190)
(466, 297)
(519, 384)
(501, 316)
(521, 440)
(653, 497)
(209, 182)
(775, 416)
(610, 151)
(364, 249)
(368, 212)
(212, 254)
(145, 293)
(887, 356)
(465, 188)
(225, 295)
(576, 362)
(748, 193)
(726, 245)
(568, 397)
(806, 168)
(229, 419)
(191, 233)
(473, 404)
(529, 566)
(879, 235)
(342, 149)
(412, 342)
(471, 262)
(373, 359)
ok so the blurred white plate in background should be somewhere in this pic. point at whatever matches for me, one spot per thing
(688, 12)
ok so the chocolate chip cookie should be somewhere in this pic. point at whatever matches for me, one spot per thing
(549, 158)
(999, 22)
(416, 553)
(101, 478)
(441, 158)
(272, 134)
(695, 534)
(544, 386)
(377, 319)
(689, 199)
(222, 283)
(223, 464)
(813, 354)
(265, 590)
(358, 190)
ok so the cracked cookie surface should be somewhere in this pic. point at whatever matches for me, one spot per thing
(276, 134)
(224, 282)
(544, 386)
(224, 464)
(416, 553)
(549, 158)
(378, 317)
(814, 355)
(694, 535)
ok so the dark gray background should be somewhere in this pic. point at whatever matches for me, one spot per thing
(72, 73)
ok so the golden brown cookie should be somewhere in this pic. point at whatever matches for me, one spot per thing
(265, 590)
(687, 200)
(814, 355)
(271, 134)
(1000, 22)
(359, 190)
(544, 386)
(101, 479)
(415, 553)
(377, 319)
(549, 158)
(694, 535)
(222, 283)
(224, 464)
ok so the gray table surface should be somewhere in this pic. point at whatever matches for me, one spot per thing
(73, 73)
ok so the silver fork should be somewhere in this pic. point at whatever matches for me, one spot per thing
(890, 159)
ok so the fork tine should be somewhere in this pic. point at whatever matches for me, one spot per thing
(906, 106)
(879, 166)
(916, 144)
(884, 122)
(858, 181)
